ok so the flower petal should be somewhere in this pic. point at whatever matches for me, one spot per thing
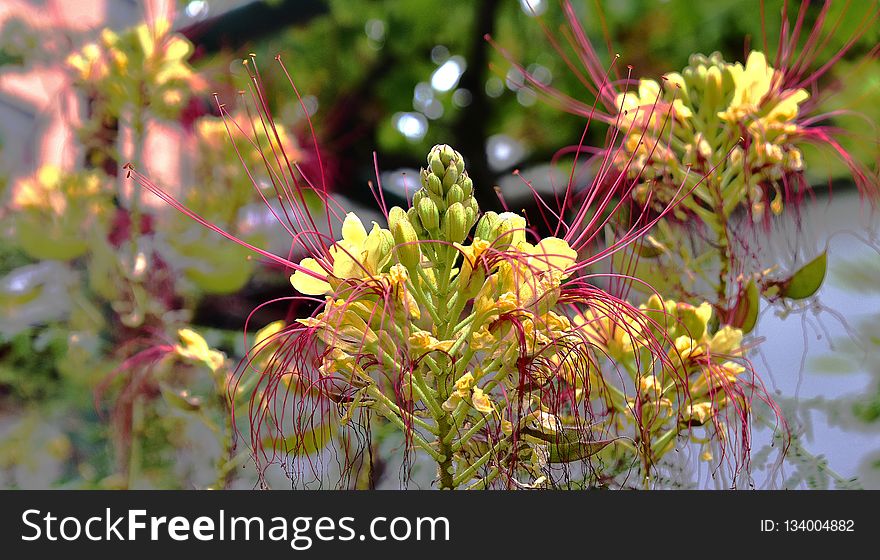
(353, 230)
(308, 284)
(552, 254)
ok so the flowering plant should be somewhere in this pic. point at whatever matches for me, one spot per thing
(489, 348)
(723, 143)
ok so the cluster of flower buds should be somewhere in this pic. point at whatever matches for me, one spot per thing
(57, 212)
(147, 64)
(444, 208)
(473, 334)
(706, 355)
(731, 127)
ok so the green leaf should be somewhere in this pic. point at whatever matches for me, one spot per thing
(806, 281)
(834, 364)
(651, 248)
(180, 400)
(745, 314)
(56, 242)
(303, 442)
(566, 446)
(222, 271)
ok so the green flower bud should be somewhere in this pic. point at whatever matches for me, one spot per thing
(471, 216)
(428, 214)
(436, 165)
(701, 73)
(417, 198)
(455, 225)
(450, 177)
(714, 92)
(459, 164)
(473, 205)
(486, 226)
(690, 79)
(510, 229)
(434, 185)
(455, 194)
(395, 215)
(467, 186)
(446, 153)
(413, 216)
(407, 248)
(439, 202)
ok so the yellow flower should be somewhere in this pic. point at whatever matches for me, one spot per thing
(650, 386)
(463, 388)
(423, 341)
(355, 256)
(481, 401)
(341, 325)
(550, 255)
(308, 284)
(726, 340)
(753, 84)
(732, 370)
(614, 331)
(482, 339)
(88, 63)
(693, 321)
(634, 105)
(464, 384)
(556, 323)
(506, 303)
(398, 274)
(699, 413)
(195, 348)
(686, 347)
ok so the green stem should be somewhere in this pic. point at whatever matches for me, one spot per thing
(446, 467)
(724, 254)
(469, 472)
(394, 409)
(484, 482)
(135, 451)
(417, 439)
(138, 132)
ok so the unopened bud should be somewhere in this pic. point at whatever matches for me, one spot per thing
(486, 226)
(471, 216)
(428, 214)
(510, 229)
(413, 216)
(455, 194)
(467, 185)
(446, 153)
(435, 164)
(455, 225)
(417, 198)
(434, 185)
(450, 177)
(714, 91)
(407, 248)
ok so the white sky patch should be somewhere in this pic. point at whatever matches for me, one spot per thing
(375, 30)
(412, 125)
(447, 75)
(503, 151)
(533, 7)
(197, 8)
